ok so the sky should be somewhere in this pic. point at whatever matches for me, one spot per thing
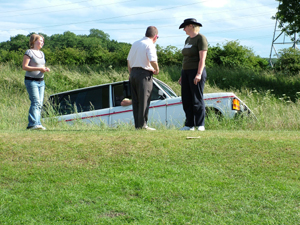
(247, 21)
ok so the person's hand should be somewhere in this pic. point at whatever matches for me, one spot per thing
(179, 81)
(155, 72)
(197, 79)
(44, 69)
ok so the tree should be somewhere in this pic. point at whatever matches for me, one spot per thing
(288, 15)
(289, 61)
(19, 41)
(99, 34)
(234, 55)
(169, 55)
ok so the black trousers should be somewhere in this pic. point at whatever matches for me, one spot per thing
(192, 97)
(141, 84)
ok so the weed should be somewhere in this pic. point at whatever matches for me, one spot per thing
(273, 111)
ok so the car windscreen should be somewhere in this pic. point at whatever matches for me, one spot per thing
(166, 88)
(155, 93)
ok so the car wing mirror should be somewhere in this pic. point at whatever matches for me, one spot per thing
(161, 95)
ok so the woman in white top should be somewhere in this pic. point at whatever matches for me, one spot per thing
(34, 65)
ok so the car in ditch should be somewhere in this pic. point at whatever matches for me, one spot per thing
(102, 104)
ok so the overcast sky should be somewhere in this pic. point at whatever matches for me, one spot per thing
(248, 21)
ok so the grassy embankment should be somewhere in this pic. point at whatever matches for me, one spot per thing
(236, 172)
(273, 107)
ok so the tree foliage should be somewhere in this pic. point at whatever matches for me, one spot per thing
(169, 55)
(289, 16)
(234, 55)
(97, 49)
(289, 61)
(70, 49)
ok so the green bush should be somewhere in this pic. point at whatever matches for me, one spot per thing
(14, 57)
(71, 56)
(234, 55)
(97, 49)
(288, 62)
(169, 55)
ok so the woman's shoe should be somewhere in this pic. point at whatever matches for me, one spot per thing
(201, 128)
(187, 128)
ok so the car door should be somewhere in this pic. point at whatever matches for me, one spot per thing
(175, 113)
(158, 106)
(123, 114)
(120, 114)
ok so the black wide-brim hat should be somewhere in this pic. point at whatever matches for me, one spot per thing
(188, 22)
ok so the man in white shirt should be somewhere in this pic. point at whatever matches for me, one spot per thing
(142, 64)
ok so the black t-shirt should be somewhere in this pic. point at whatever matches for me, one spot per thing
(191, 51)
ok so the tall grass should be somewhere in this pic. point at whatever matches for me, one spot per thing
(274, 99)
(274, 111)
(263, 81)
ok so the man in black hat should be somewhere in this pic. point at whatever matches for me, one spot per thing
(193, 75)
(142, 64)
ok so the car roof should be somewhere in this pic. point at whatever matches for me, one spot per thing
(90, 87)
(207, 95)
(100, 85)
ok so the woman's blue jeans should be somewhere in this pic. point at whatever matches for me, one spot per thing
(36, 91)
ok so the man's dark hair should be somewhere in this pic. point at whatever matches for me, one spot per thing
(151, 31)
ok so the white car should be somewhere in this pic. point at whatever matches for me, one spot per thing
(102, 104)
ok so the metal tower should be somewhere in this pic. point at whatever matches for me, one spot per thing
(281, 40)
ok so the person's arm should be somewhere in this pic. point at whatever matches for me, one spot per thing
(154, 64)
(179, 81)
(126, 102)
(129, 69)
(25, 66)
(202, 55)
(128, 66)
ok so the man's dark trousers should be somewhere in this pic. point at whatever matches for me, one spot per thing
(141, 84)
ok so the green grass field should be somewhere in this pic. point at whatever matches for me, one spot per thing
(137, 177)
(236, 172)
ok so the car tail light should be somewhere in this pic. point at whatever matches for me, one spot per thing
(236, 104)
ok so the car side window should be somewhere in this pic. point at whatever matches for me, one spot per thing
(96, 98)
(82, 100)
(156, 93)
(118, 94)
(120, 91)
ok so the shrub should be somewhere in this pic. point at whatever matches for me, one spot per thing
(288, 62)
(169, 55)
(14, 57)
(234, 55)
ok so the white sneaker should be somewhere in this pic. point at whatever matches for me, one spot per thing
(149, 128)
(36, 127)
(42, 127)
(201, 128)
(187, 128)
